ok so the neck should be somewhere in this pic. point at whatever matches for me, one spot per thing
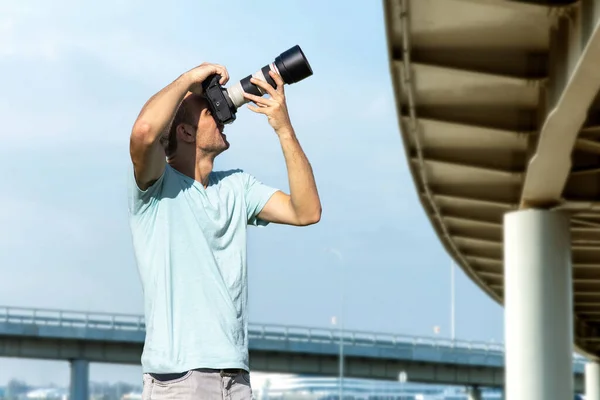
(203, 168)
(198, 167)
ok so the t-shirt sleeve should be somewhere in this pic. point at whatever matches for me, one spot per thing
(257, 195)
(140, 200)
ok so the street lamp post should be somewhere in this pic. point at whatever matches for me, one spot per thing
(341, 357)
(402, 377)
(341, 388)
(452, 300)
(341, 325)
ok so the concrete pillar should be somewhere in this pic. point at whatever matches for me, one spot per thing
(474, 393)
(79, 380)
(592, 380)
(538, 306)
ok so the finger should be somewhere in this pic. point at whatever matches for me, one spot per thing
(258, 100)
(260, 110)
(278, 80)
(221, 70)
(224, 74)
(262, 105)
(264, 85)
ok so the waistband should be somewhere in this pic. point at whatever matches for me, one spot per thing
(231, 372)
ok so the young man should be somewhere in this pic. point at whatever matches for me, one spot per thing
(188, 225)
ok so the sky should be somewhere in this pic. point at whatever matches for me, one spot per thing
(74, 76)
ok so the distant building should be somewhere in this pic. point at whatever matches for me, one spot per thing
(268, 386)
(289, 387)
(132, 396)
(47, 394)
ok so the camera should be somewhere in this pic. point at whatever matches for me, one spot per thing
(292, 65)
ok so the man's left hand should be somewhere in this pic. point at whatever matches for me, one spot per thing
(274, 107)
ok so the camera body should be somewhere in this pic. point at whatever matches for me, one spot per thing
(220, 104)
(223, 102)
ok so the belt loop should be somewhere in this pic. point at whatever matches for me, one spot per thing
(230, 372)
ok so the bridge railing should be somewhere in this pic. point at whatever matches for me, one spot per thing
(98, 320)
(362, 338)
(65, 318)
(130, 322)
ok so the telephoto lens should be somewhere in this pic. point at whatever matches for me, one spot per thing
(292, 65)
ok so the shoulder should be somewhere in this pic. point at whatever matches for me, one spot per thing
(168, 184)
(240, 181)
(237, 177)
(230, 174)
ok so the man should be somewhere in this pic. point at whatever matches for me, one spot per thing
(188, 226)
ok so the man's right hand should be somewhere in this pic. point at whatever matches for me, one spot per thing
(199, 74)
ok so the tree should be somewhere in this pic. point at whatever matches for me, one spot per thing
(15, 388)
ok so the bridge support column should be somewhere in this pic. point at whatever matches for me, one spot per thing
(592, 380)
(79, 380)
(474, 393)
(538, 306)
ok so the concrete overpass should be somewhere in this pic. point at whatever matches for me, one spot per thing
(81, 338)
(498, 106)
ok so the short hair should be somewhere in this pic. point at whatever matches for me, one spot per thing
(183, 115)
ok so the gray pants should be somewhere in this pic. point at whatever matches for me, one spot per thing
(199, 384)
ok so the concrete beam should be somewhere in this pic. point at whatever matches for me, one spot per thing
(573, 84)
(276, 360)
(434, 373)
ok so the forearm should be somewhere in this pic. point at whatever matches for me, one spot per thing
(303, 189)
(159, 111)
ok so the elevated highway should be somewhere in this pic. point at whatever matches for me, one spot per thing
(81, 338)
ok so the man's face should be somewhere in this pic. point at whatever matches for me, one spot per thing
(209, 133)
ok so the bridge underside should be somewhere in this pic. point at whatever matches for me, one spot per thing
(499, 111)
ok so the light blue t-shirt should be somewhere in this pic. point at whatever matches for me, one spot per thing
(190, 248)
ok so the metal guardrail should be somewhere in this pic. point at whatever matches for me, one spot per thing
(130, 322)
(97, 320)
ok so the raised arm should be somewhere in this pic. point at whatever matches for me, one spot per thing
(302, 206)
(154, 120)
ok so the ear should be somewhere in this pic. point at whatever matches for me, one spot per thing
(186, 133)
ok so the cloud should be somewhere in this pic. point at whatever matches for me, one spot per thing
(101, 62)
(20, 41)
(69, 28)
(335, 252)
(74, 75)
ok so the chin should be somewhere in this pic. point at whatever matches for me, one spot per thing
(222, 148)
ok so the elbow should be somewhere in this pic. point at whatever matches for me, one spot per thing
(142, 133)
(312, 218)
(141, 128)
